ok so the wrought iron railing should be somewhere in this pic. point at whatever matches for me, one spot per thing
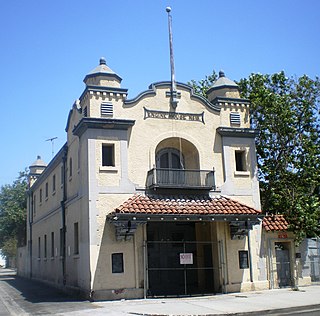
(180, 178)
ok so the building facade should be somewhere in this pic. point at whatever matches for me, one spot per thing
(152, 196)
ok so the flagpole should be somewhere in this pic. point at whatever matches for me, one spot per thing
(174, 101)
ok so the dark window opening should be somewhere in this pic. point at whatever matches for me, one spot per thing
(45, 246)
(54, 183)
(70, 167)
(39, 247)
(108, 155)
(117, 263)
(243, 259)
(52, 244)
(76, 238)
(240, 156)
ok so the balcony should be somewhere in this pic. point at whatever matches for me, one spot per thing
(180, 179)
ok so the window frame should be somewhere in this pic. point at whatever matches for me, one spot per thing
(104, 163)
(76, 238)
(117, 263)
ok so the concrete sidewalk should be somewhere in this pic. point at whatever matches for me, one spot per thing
(260, 302)
(21, 296)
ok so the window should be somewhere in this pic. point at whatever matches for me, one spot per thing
(52, 244)
(47, 190)
(39, 247)
(76, 238)
(240, 157)
(40, 196)
(54, 183)
(34, 204)
(117, 262)
(61, 175)
(235, 118)
(108, 155)
(70, 167)
(243, 259)
(45, 246)
(61, 242)
(106, 109)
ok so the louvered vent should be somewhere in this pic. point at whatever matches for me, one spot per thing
(85, 112)
(234, 118)
(106, 109)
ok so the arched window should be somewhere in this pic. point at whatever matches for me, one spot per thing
(169, 158)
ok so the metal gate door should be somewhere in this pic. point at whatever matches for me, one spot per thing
(180, 268)
(283, 264)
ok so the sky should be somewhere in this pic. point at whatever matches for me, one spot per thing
(47, 48)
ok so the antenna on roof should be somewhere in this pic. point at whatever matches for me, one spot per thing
(174, 101)
(52, 143)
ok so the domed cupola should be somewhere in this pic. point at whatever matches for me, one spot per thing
(223, 87)
(36, 169)
(103, 76)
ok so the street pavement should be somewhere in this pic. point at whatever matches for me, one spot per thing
(19, 296)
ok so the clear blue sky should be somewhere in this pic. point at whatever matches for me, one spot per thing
(47, 47)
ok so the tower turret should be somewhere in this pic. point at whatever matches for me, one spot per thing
(223, 87)
(36, 169)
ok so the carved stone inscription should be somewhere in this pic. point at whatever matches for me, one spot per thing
(174, 115)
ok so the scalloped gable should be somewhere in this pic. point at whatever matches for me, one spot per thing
(161, 84)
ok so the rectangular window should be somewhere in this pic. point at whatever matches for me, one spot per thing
(61, 242)
(61, 175)
(47, 189)
(240, 157)
(243, 259)
(76, 238)
(45, 246)
(106, 109)
(108, 155)
(117, 262)
(39, 247)
(70, 167)
(52, 244)
(54, 183)
(40, 196)
(34, 204)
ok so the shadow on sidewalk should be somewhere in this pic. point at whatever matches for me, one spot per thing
(34, 291)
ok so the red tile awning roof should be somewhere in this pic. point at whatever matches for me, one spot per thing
(275, 223)
(184, 205)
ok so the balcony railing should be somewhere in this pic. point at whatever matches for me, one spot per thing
(180, 178)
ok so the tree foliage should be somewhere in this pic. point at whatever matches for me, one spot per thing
(201, 87)
(286, 111)
(13, 212)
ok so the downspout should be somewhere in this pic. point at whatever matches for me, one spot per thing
(249, 254)
(63, 214)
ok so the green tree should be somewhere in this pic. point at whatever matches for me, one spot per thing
(13, 212)
(286, 111)
(201, 87)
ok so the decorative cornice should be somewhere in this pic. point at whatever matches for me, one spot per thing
(220, 100)
(101, 123)
(237, 132)
(103, 90)
(152, 92)
(102, 74)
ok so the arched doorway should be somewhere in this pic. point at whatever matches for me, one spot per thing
(170, 158)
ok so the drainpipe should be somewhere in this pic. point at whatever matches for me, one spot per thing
(249, 253)
(63, 214)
